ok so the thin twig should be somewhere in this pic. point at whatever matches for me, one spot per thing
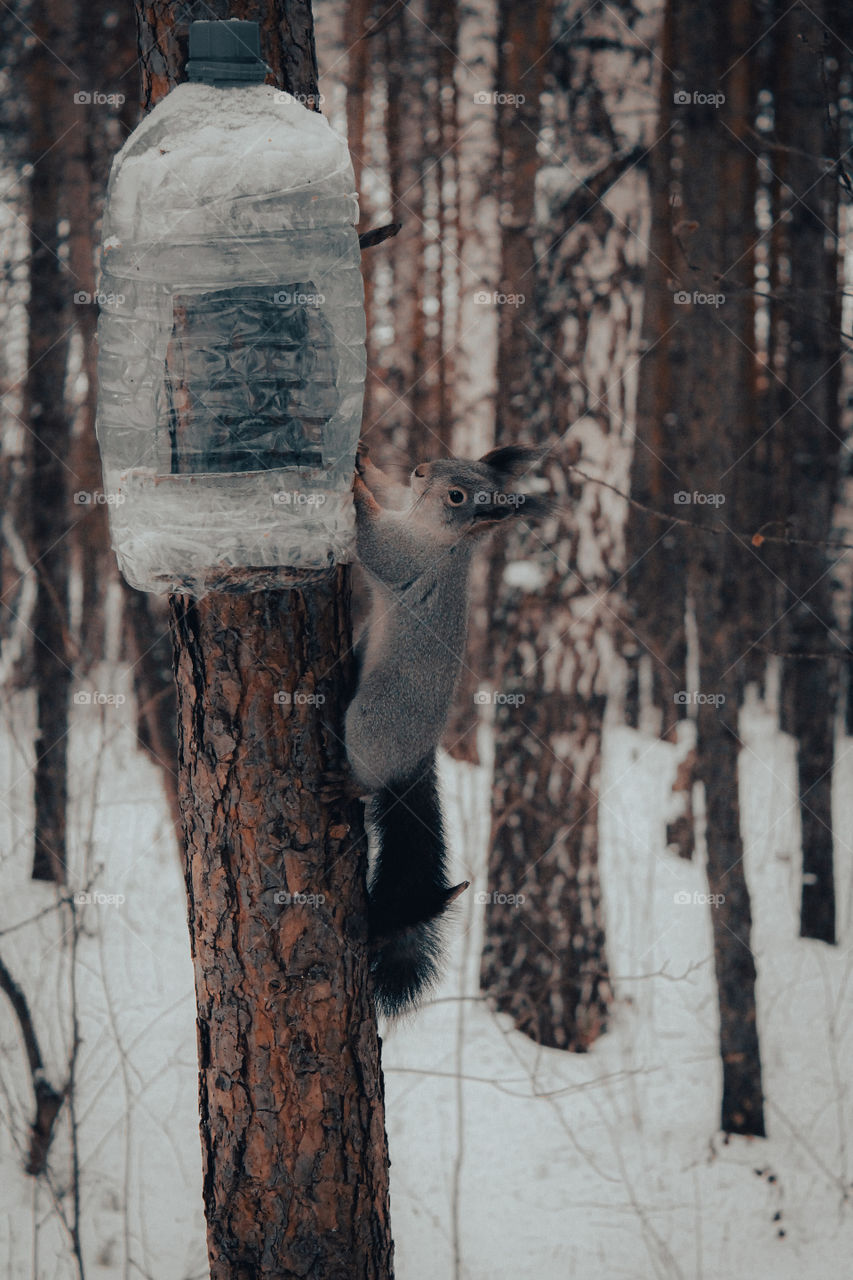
(755, 538)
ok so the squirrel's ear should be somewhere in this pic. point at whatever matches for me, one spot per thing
(513, 459)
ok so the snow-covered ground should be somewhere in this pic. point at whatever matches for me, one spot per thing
(509, 1161)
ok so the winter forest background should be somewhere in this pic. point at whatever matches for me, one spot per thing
(622, 231)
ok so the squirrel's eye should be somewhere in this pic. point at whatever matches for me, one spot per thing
(456, 497)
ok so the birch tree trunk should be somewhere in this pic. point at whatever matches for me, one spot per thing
(292, 1115)
(564, 371)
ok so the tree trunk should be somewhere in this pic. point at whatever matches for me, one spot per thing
(359, 87)
(407, 68)
(149, 652)
(292, 1120)
(103, 52)
(479, 271)
(807, 439)
(292, 1111)
(655, 554)
(574, 341)
(46, 413)
(716, 434)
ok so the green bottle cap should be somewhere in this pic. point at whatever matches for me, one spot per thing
(226, 53)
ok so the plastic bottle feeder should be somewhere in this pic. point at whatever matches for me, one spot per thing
(231, 335)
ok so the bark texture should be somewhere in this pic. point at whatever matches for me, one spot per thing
(292, 1120)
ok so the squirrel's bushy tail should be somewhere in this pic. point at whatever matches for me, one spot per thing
(409, 889)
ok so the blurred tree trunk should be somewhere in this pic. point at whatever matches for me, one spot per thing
(807, 437)
(149, 652)
(443, 20)
(713, 400)
(93, 561)
(523, 38)
(292, 1113)
(407, 67)
(479, 236)
(656, 554)
(359, 85)
(46, 413)
(475, 365)
(564, 361)
(104, 49)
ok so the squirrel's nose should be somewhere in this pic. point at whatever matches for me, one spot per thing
(420, 471)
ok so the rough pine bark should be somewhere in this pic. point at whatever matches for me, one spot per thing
(292, 1113)
(290, 1087)
(568, 376)
(287, 42)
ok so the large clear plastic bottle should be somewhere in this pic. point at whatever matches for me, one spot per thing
(231, 334)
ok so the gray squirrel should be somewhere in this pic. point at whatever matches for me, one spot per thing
(416, 544)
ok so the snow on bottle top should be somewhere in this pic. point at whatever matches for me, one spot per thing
(203, 147)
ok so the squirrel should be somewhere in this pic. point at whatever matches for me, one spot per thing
(416, 543)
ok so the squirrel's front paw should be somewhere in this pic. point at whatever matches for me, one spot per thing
(364, 499)
(337, 786)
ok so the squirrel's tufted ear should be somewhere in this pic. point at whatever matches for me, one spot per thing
(514, 459)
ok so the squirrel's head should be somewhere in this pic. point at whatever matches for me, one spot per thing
(463, 498)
